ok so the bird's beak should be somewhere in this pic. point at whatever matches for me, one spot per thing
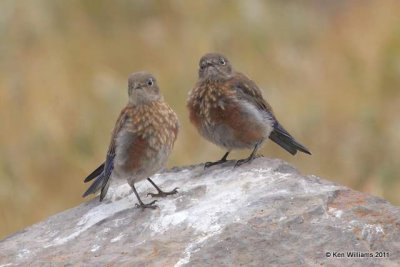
(208, 63)
(138, 86)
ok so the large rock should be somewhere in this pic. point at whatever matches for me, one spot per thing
(260, 214)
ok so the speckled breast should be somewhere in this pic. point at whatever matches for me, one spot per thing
(144, 144)
(222, 118)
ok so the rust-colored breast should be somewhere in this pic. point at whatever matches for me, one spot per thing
(244, 128)
(207, 100)
(212, 105)
(150, 130)
(157, 123)
(137, 151)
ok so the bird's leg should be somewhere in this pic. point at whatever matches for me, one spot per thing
(141, 204)
(161, 193)
(250, 158)
(209, 164)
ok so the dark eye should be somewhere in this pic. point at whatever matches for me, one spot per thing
(202, 65)
(222, 61)
(150, 82)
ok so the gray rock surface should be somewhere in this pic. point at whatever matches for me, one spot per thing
(260, 214)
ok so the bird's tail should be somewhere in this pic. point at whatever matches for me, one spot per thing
(95, 173)
(280, 136)
(101, 178)
(102, 182)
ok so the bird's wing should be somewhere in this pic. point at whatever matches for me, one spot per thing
(107, 166)
(123, 116)
(247, 90)
(102, 180)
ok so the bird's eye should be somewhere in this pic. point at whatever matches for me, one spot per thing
(150, 82)
(222, 61)
(202, 66)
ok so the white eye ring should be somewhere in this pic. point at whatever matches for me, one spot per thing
(222, 61)
(150, 82)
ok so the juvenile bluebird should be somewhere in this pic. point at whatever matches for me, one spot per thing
(228, 109)
(141, 141)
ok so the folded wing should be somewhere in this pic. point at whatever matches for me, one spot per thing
(103, 173)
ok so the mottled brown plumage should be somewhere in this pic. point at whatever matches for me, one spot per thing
(228, 109)
(142, 139)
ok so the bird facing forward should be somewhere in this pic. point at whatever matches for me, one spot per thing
(228, 109)
(141, 141)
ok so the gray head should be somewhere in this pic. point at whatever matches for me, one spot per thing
(143, 88)
(214, 66)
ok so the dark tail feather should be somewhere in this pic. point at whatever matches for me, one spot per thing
(102, 175)
(104, 190)
(102, 182)
(95, 173)
(280, 136)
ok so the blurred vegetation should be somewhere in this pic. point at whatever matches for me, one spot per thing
(330, 69)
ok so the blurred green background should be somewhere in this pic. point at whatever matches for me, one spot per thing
(330, 69)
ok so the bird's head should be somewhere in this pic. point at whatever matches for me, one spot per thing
(143, 88)
(214, 66)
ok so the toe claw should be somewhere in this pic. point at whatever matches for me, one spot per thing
(164, 194)
(174, 191)
(149, 205)
(210, 164)
(207, 165)
(240, 162)
(153, 202)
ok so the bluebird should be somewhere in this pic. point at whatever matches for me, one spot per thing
(228, 109)
(141, 141)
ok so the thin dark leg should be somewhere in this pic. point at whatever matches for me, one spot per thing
(250, 158)
(141, 204)
(160, 192)
(209, 164)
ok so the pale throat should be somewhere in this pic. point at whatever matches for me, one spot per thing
(144, 100)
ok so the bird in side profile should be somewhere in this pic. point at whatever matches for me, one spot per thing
(141, 141)
(228, 109)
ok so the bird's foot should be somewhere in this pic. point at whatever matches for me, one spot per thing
(209, 164)
(161, 193)
(147, 206)
(243, 161)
